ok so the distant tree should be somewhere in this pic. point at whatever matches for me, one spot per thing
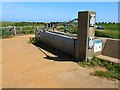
(109, 22)
(114, 23)
(102, 22)
(105, 22)
(96, 23)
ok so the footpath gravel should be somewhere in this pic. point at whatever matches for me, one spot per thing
(26, 66)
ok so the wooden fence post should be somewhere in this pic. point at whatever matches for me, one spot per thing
(14, 30)
(36, 33)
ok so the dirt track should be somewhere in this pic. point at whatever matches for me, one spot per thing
(25, 66)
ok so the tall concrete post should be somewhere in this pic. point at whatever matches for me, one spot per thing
(86, 31)
(14, 30)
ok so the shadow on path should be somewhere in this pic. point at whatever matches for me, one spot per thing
(60, 56)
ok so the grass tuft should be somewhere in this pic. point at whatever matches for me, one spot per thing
(113, 69)
(32, 40)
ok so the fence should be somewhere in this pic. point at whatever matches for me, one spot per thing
(12, 31)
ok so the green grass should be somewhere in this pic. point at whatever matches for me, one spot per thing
(108, 33)
(28, 30)
(32, 40)
(70, 29)
(60, 28)
(107, 74)
(4, 33)
(7, 34)
(93, 63)
(109, 26)
(5, 24)
(0, 30)
(113, 69)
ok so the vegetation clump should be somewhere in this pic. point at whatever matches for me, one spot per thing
(5, 33)
(113, 69)
(32, 40)
(108, 34)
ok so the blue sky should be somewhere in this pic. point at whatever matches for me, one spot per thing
(57, 11)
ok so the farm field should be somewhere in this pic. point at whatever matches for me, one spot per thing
(107, 33)
(109, 26)
(5, 24)
(26, 66)
(110, 31)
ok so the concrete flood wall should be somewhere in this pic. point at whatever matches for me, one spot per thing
(84, 45)
(69, 44)
(61, 42)
(110, 47)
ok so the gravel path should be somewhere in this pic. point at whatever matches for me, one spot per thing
(26, 66)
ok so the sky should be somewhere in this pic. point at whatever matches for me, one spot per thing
(57, 11)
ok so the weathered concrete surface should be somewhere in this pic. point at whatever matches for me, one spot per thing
(85, 31)
(61, 42)
(70, 45)
(111, 48)
(107, 58)
(25, 66)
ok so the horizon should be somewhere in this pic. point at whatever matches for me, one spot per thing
(51, 21)
(57, 11)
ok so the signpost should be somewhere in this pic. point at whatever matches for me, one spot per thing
(98, 46)
(86, 32)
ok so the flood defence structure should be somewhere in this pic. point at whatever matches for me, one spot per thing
(83, 46)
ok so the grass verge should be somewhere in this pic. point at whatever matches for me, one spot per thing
(113, 69)
(107, 33)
